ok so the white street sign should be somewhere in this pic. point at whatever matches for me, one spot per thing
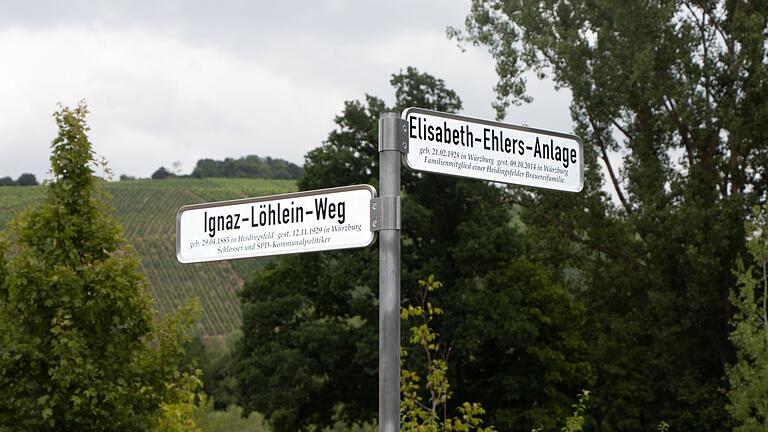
(467, 147)
(319, 220)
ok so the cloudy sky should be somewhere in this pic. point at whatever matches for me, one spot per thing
(175, 80)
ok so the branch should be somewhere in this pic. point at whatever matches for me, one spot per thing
(621, 128)
(715, 22)
(682, 128)
(604, 157)
(601, 247)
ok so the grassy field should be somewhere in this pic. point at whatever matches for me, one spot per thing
(147, 211)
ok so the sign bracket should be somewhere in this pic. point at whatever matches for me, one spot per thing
(385, 213)
(398, 136)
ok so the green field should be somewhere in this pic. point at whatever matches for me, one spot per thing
(147, 211)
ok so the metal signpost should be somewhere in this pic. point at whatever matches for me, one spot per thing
(393, 141)
(350, 216)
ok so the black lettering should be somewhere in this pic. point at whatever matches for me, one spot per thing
(321, 207)
(220, 223)
(341, 212)
(446, 133)
(262, 216)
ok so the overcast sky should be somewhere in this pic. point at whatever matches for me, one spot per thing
(181, 80)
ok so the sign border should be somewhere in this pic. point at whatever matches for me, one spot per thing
(289, 195)
(404, 116)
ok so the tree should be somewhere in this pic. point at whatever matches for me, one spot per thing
(162, 173)
(430, 412)
(27, 179)
(80, 348)
(748, 376)
(251, 166)
(679, 89)
(309, 346)
(7, 181)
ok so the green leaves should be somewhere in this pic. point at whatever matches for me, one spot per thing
(748, 376)
(669, 99)
(81, 348)
(431, 413)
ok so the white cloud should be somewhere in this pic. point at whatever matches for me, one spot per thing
(154, 99)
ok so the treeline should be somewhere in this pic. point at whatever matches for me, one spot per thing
(251, 166)
(248, 167)
(25, 179)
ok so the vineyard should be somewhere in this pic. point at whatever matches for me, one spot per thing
(147, 211)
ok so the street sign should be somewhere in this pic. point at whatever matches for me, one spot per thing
(319, 220)
(481, 149)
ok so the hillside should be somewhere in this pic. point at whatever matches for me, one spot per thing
(147, 211)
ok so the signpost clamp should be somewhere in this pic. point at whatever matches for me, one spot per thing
(400, 141)
(385, 213)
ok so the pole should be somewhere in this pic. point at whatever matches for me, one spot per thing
(389, 271)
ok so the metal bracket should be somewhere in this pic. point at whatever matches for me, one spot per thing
(399, 140)
(385, 213)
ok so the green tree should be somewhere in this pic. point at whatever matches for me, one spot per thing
(678, 90)
(748, 376)
(161, 174)
(27, 179)
(309, 346)
(7, 181)
(251, 166)
(80, 348)
(430, 413)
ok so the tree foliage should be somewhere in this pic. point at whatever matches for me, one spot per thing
(430, 413)
(748, 376)
(678, 90)
(80, 348)
(162, 173)
(251, 166)
(25, 179)
(309, 347)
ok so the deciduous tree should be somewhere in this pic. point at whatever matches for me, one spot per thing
(678, 91)
(309, 347)
(80, 348)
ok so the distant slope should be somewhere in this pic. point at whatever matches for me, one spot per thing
(147, 211)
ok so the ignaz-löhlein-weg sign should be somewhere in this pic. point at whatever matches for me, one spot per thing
(325, 219)
(466, 147)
